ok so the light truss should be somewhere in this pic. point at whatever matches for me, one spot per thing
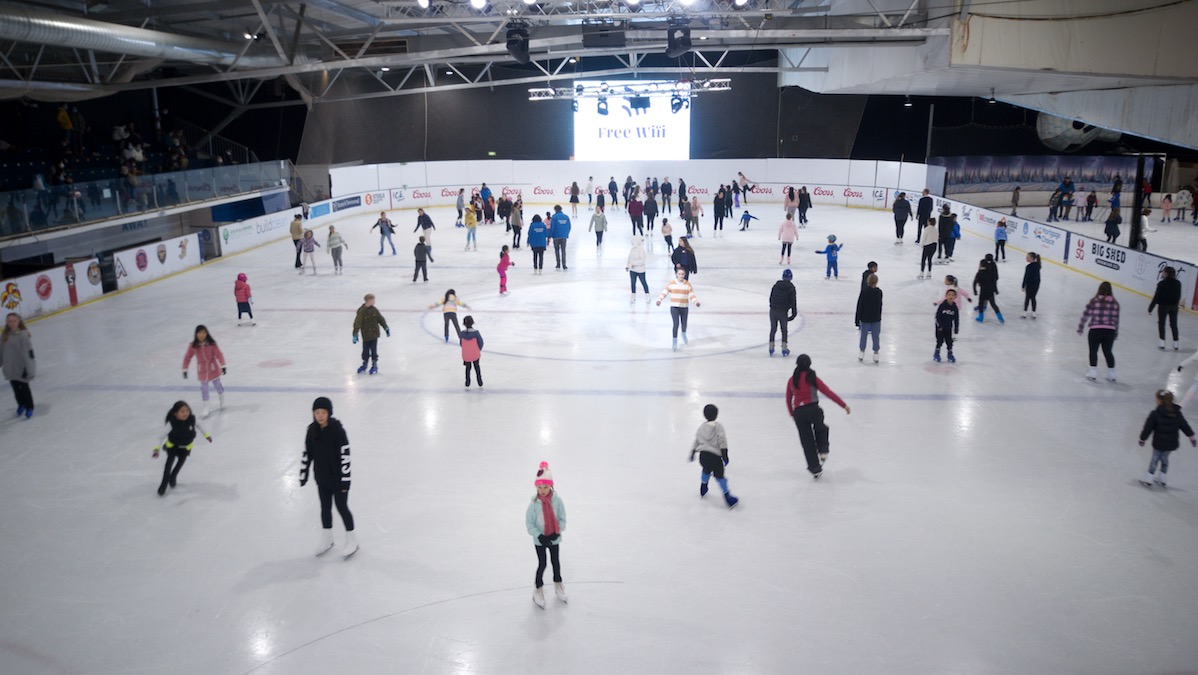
(601, 89)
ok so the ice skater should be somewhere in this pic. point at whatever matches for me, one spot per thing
(386, 229)
(599, 225)
(244, 297)
(17, 362)
(832, 251)
(1163, 425)
(449, 312)
(333, 245)
(423, 255)
(985, 285)
(950, 284)
(210, 365)
(681, 294)
(745, 217)
(948, 324)
(181, 428)
(667, 233)
(684, 258)
(802, 403)
(472, 350)
(1166, 302)
(1031, 283)
(1000, 239)
(545, 519)
(309, 245)
(326, 457)
(711, 444)
(505, 262)
(471, 226)
(869, 315)
(636, 268)
(1103, 314)
(1111, 226)
(929, 237)
(787, 234)
(424, 224)
(537, 240)
(902, 213)
(367, 322)
(784, 308)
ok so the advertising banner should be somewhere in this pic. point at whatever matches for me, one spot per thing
(51, 290)
(136, 266)
(346, 203)
(247, 234)
(1127, 267)
(1036, 173)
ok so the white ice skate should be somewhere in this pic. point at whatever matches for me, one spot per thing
(538, 598)
(1147, 479)
(221, 398)
(351, 545)
(204, 410)
(1092, 374)
(875, 357)
(326, 543)
(1161, 478)
(1110, 374)
(560, 590)
(861, 357)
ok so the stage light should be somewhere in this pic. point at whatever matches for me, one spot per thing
(633, 3)
(678, 41)
(575, 106)
(385, 69)
(907, 103)
(423, 4)
(677, 103)
(478, 4)
(602, 106)
(517, 44)
(741, 3)
(687, 3)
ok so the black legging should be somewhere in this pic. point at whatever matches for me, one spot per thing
(478, 372)
(632, 278)
(175, 457)
(1000, 246)
(638, 225)
(649, 221)
(929, 251)
(556, 560)
(1166, 312)
(813, 434)
(1029, 296)
(778, 317)
(1105, 338)
(987, 297)
(718, 224)
(516, 236)
(451, 317)
(329, 496)
(614, 201)
(538, 258)
(900, 225)
(802, 214)
(21, 391)
(679, 314)
(244, 308)
(370, 350)
(786, 247)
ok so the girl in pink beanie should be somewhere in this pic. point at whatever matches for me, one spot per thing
(244, 297)
(546, 520)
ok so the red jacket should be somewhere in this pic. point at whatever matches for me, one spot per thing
(504, 263)
(801, 395)
(635, 208)
(241, 291)
(209, 361)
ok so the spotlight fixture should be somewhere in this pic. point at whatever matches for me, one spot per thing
(517, 43)
(687, 3)
(478, 4)
(633, 3)
(530, 2)
(602, 106)
(992, 96)
(740, 3)
(907, 103)
(423, 4)
(385, 69)
(678, 41)
(248, 35)
(573, 60)
(576, 105)
(677, 103)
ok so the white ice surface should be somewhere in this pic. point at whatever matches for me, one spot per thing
(982, 517)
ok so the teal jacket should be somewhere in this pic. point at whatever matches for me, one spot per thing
(534, 518)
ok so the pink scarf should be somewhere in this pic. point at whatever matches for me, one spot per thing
(551, 527)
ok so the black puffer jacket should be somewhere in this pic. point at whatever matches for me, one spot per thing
(1168, 294)
(326, 451)
(783, 298)
(1164, 428)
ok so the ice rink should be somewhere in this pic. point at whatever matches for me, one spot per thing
(982, 517)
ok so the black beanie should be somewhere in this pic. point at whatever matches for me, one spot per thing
(323, 403)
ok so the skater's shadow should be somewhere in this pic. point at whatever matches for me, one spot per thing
(210, 491)
(279, 572)
(849, 476)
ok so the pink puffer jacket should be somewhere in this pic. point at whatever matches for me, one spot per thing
(241, 291)
(209, 361)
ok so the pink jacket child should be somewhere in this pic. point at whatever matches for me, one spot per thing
(788, 232)
(210, 364)
(950, 284)
(244, 298)
(504, 263)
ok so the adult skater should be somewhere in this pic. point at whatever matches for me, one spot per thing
(802, 403)
(636, 268)
(210, 365)
(559, 232)
(683, 257)
(718, 211)
(1164, 424)
(681, 294)
(787, 234)
(790, 202)
(471, 342)
(326, 456)
(537, 240)
(181, 428)
(1031, 283)
(985, 286)
(636, 211)
(784, 307)
(944, 234)
(386, 229)
(333, 245)
(599, 225)
(484, 194)
(575, 191)
(902, 213)
(1166, 301)
(667, 194)
(745, 188)
(545, 520)
(1015, 201)
(612, 189)
(424, 224)
(517, 221)
(504, 211)
(590, 189)
(1111, 228)
(804, 205)
(923, 213)
(17, 362)
(1103, 314)
(297, 233)
(711, 444)
(650, 213)
(869, 315)
(684, 214)
(367, 321)
(461, 206)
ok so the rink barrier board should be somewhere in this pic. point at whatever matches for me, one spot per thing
(48, 292)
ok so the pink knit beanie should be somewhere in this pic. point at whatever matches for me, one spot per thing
(544, 475)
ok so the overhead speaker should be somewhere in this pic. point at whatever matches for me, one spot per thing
(678, 41)
(517, 44)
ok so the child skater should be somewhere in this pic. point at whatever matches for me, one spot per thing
(1000, 239)
(636, 268)
(1163, 424)
(472, 350)
(950, 284)
(326, 455)
(787, 234)
(832, 250)
(181, 428)
(667, 233)
(802, 402)
(744, 221)
(948, 324)
(712, 445)
(423, 255)
(471, 229)
(545, 520)
(449, 312)
(929, 236)
(333, 245)
(1031, 283)
(985, 284)
(681, 295)
(367, 321)
(210, 365)
(504, 263)
(244, 297)
(308, 245)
